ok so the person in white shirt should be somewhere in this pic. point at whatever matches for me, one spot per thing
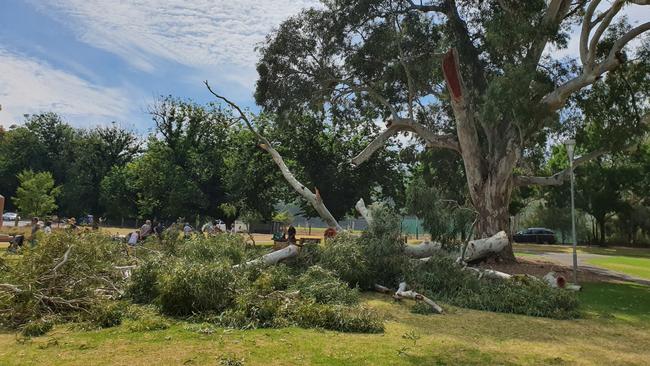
(145, 230)
(48, 228)
(133, 238)
(187, 230)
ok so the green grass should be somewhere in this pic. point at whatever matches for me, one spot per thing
(637, 267)
(616, 330)
(629, 302)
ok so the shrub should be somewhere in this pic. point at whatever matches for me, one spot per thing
(106, 314)
(143, 286)
(41, 290)
(223, 247)
(323, 287)
(340, 318)
(383, 247)
(36, 328)
(344, 256)
(187, 287)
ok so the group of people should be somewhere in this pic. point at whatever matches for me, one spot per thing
(146, 230)
(17, 241)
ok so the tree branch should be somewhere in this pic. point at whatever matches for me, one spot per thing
(560, 177)
(313, 198)
(591, 72)
(396, 125)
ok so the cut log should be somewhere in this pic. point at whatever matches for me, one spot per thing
(490, 273)
(554, 280)
(401, 293)
(422, 250)
(382, 289)
(482, 248)
(291, 250)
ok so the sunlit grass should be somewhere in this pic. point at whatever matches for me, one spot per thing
(615, 331)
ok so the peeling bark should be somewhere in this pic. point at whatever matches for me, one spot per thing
(482, 248)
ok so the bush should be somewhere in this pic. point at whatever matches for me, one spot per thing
(187, 287)
(344, 256)
(143, 287)
(140, 318)
(340, 318)
(36, 328)
(383, 248)
(43, 291)
(106, 314)
(323, 287)
(222, 247)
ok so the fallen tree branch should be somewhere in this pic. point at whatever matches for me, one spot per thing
(490, 273)
(363, 210)
(401, 293)
(313, 198)
(66, 256)
(422, 250)
(481, 248)
(289, 251)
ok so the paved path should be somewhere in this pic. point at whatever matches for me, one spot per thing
(566, 259)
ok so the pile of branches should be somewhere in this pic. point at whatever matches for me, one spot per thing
(66, 275)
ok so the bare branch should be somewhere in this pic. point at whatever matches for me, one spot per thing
(66, 256)
(396, 125)
(557, 98)
(313, 198)
(607, 20)
(586, 30)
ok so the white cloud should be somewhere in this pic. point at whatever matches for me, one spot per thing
(195, 33)
(30, 86)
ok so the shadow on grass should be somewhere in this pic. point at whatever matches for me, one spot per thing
(626, 301)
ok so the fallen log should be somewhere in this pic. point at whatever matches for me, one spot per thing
(490, 273)
(401, 293)
(422, 250)
(482, 248)
(289, 251)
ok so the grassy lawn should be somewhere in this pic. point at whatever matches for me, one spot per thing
(638, 267)
(616, 330)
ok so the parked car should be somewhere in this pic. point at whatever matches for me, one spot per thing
(537, 235)
(10, 216)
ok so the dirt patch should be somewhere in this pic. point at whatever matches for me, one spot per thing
(539, 268)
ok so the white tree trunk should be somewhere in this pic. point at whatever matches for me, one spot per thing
(489, 273)
(363, 210)
(401, 293)
(274, 257)
(481, 248)
(422, 250)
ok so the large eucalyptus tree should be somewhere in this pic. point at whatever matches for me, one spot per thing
(479, 78)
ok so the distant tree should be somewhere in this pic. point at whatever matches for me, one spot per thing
(36, 193)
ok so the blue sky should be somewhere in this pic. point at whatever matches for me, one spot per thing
(98, 61)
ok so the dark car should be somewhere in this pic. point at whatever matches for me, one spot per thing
(535, 235)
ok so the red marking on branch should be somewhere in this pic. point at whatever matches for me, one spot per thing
(450, 70)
